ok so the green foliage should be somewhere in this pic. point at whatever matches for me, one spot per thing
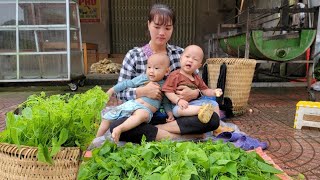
(317, 72)
(175, 161)
(56, 121)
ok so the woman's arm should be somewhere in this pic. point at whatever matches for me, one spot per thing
(132, 66)
(127, 72)
(187, 93)
(151, 90)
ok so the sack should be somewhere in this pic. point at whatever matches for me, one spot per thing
(225, 104)
(316, 86)
(205, 74)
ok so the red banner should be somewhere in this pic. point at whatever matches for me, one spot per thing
(90, 11)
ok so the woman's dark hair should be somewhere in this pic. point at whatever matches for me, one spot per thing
(165, 14)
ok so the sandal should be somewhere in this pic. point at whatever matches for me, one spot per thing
(222, 129)
(229, 136)
(247, 143)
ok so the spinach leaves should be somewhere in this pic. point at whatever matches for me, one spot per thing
(175, 160)
(52, 122)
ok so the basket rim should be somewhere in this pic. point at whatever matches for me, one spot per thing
(238, 61)
(230, 58)
(34, 147)
(24, 150)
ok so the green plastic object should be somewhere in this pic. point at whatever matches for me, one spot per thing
(277, 49)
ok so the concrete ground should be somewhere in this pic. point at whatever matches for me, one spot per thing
(271, 120)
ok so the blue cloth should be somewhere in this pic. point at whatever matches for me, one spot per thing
(198, 102)
(242, 141)
(125, 110)
(139, 81)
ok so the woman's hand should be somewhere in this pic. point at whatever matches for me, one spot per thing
(183, 104)
(170, 117)
(151, 90)
(113, 100)
(186, 93)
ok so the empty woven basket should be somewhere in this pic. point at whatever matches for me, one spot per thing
(238, 81)
(22, 163)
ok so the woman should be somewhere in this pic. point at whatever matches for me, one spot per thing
(161, 22)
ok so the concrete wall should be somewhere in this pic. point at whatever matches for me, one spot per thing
(98, 33)
(209, 14)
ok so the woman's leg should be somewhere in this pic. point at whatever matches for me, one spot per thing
(191, 125)
(171, 127)
(151, 133)
(183, 125)
(135, 135)
(163, 134)
(217, 110)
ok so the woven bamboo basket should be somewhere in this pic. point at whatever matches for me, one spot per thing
(238, 81)
(22, 163)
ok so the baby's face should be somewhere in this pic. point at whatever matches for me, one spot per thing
(191, 59)
(157, 67)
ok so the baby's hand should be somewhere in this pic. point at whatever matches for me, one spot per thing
(218, 92)
(183, 104)
(170, 117)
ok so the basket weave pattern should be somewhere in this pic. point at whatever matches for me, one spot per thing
(238, 81)
(22, 163)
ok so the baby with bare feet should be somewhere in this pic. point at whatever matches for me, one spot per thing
(141, 109)
(190, 61)
(205, 106)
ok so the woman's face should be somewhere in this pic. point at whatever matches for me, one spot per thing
(160, 33)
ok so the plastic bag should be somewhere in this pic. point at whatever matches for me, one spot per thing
(316, 86)
(97, 142)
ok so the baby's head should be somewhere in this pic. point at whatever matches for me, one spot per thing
(191, 59)
(157, 66)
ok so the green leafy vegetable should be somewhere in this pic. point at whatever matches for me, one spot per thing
(175, 161)
(52, 122)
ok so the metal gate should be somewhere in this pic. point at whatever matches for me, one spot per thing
(129, 23)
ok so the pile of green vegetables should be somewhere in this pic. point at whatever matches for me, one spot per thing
(175, 160)
(52, 122)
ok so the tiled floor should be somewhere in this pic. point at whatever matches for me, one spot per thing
(271, 120)
(295, 151)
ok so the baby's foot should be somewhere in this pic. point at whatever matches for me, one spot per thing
(116, 134)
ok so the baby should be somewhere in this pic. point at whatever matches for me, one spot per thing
(190, 61)
(139, 110)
